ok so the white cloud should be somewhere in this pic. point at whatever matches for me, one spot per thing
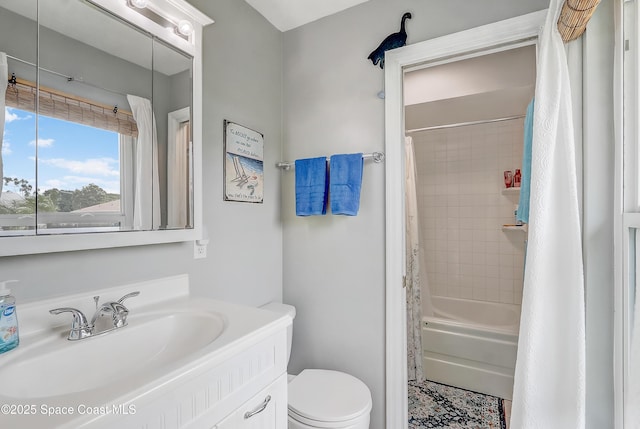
(53, 183)
(42, 142)
(96, 167)
(10, 115)
(6, 148)
(77, 182)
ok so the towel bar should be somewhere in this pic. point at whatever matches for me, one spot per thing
(375, 156)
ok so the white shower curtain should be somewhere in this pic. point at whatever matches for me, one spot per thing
(413, 278)
(4, 72)
(146, 206)
(549, 385)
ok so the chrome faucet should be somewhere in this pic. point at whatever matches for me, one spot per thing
(116, 309)
(81, 328)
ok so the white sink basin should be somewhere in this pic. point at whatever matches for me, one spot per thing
(137, 353)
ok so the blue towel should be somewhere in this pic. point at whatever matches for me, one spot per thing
(525, 185)
(311, 186)
(346, 181)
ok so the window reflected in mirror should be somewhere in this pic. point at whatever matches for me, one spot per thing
(18, 202)
(97, 131)
(78, 170)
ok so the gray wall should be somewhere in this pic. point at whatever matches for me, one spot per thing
(242, 82)
(334, 266)
(334, 271)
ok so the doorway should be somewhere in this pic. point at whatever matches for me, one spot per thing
(498, 37)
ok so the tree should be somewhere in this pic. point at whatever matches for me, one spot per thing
(28, 206)
(24, 188)
(62, 199)
(89, 195)
(53, 200)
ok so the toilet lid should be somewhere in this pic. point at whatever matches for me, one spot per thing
(328, 396)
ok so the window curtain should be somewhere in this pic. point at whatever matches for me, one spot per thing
(413, 279)
(4, 72)
(146, 197)
(61, 105)
(178, 170)
(549, 384)
(178, 174)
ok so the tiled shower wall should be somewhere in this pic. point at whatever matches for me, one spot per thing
(462, 210)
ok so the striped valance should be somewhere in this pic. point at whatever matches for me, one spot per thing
(55, 104)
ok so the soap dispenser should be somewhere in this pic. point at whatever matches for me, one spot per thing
(8, 319)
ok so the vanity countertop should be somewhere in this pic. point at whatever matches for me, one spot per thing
(129, 389)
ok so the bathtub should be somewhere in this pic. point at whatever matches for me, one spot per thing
(471, 345)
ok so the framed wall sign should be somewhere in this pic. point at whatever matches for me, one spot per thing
(243, 164)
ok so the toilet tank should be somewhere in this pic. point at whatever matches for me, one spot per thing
(283, 309)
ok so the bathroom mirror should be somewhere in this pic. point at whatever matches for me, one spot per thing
(100, 129)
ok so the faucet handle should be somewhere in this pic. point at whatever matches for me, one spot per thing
(79, 319)
(80, 328)
(127, 296)
(120, 312)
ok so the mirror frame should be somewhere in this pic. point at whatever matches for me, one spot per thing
(176, 10)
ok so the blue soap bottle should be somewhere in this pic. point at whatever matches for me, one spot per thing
(9, 339)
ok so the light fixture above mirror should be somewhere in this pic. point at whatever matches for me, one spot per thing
(184, 27)
(181, 26)
(140, 4)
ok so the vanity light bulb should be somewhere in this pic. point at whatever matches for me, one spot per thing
(140, 4)
(184, 27)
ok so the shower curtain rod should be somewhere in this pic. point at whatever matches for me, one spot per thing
(463, 124)
(375, 156)
(68, 78)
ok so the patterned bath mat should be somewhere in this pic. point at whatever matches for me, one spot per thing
(438, 406)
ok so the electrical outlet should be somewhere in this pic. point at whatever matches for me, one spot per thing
(199, 250)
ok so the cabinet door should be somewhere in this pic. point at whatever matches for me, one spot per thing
(266, 410)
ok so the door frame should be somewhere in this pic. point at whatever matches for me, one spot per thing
(503, 35)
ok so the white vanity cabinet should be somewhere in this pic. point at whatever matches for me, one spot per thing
(181, 363)
(221, 395)
(266, 410)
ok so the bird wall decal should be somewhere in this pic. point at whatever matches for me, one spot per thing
(392, 41)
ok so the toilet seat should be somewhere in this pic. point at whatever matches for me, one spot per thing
(328, 399)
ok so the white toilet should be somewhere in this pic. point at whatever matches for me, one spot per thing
(320, 398)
